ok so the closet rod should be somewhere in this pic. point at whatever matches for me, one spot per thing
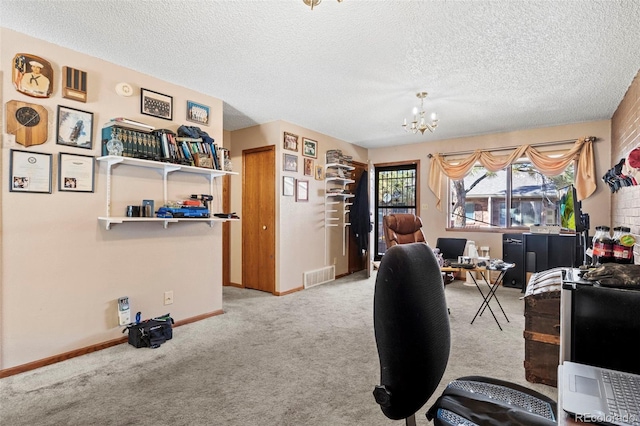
(446, 154)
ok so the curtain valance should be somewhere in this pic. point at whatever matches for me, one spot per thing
(582, 151)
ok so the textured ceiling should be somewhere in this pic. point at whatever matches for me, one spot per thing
(351, 70)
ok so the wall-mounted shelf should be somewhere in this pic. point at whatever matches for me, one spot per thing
(108, 221)
(336, 208)
(164, 169)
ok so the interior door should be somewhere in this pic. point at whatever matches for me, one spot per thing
(258, 219)
(357, 262)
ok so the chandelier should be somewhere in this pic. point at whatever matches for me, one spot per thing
(419, 123)
(312, 3)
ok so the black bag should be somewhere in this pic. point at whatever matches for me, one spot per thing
(150, 333)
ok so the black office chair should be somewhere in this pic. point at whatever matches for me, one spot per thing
(412, 334)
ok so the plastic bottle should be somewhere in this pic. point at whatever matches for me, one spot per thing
(623, 245)
(602, 246)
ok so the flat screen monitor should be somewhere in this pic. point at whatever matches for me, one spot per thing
(569, 209)
(451, 248)
(605, 327)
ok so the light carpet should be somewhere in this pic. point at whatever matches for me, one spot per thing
(308, 358)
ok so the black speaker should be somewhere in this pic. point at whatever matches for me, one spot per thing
(513, 252)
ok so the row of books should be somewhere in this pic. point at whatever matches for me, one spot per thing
(164, 145)
(195, 152)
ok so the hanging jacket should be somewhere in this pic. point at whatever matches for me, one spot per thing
(359, 214)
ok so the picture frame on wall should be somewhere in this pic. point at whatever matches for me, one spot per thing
(156, 104)
(76, 172)
(308, 167)
(302, 190)
(288, 186)
(290, 163)
(309, 148)
(74, 127)
(198, 113)
(290, 141)
(319, 173)
(30, 171)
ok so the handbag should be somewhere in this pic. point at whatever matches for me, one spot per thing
(150, 333)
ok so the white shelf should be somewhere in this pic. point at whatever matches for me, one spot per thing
(108, 221)
(336, 216)
(339, 180)
(338, 166)
(165, 169)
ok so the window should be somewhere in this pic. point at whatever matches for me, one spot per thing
(395, 193)
(480, 199)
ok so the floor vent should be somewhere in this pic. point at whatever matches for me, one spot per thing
(319, 276)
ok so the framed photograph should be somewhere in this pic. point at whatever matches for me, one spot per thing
(288, 186)
(76, 172)
(290, 163)
(308, 167)
(290, 141)
(74, 127)
(309, 148)
(197, 113)
(302, 190)
(29, 171)
(156, 104)
(319, 173)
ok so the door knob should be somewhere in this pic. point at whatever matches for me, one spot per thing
(264, 226)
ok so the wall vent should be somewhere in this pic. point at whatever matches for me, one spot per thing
(319, 276)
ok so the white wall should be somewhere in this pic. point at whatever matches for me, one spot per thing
(62, 270)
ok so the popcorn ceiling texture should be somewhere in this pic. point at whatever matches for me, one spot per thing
(351, 70)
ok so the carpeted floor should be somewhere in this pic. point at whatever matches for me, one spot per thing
(308, 358)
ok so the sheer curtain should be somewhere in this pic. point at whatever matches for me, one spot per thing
(582, 151)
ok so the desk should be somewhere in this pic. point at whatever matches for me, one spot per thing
(493, 287)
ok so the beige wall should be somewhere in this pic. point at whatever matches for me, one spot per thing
(63, 271)
(597, 206)
(300, 233)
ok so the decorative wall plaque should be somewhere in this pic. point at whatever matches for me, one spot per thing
(28, 122)
(74, 84)
(32, 75)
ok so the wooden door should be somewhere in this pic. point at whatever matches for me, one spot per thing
(357, 262)
(226, 231)
(258, 219)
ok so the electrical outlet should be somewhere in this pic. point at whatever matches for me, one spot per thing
(168, 297)
(335, 260)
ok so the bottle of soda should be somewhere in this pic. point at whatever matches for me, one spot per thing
(623, 246)
(602, 246)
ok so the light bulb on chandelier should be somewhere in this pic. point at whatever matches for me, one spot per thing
(419, 123)
(312, 3)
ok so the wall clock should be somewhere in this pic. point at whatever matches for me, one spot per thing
(28, 122)
(32, 75)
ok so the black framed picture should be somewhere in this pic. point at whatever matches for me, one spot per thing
(30, 171)
(76, 172)
(156, 104)
(74, 127)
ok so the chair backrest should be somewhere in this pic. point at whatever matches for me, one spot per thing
(402, 228)
(411, 328)
(451, 248)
